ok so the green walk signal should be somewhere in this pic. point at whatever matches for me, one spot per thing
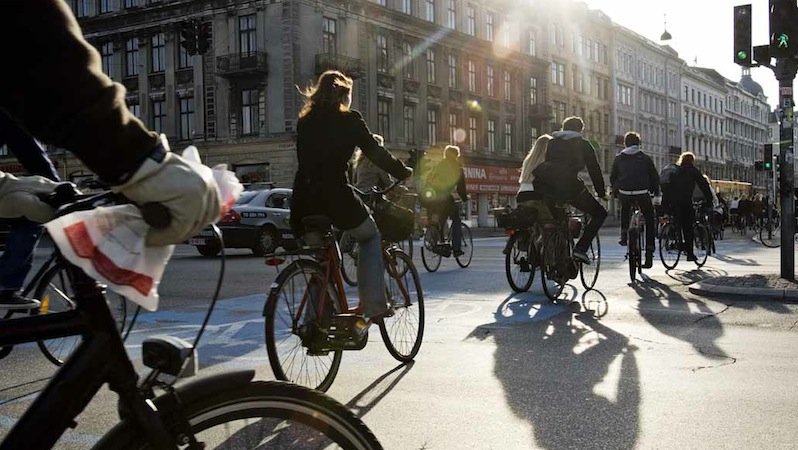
(742, 55)
(768, 165)
(783, 40)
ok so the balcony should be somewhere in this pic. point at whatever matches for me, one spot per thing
(541, 111)
(351, 67)
(242, 64)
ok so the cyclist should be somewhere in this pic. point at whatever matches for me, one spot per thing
(558, 178)
(634, 178)
(527, 197)
(327, 133)
(57, 92)
(683, 183)
(444, 192)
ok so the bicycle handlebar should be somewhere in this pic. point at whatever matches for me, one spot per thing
(375, 191)
(66, 199)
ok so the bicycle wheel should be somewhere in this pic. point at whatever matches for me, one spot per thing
(589, 272)
(552, 274)
(349, 253)
(467, 246)
(55, 293)
(518, 264)
(633, 252)
(402, 333)
(429, 256)
(292, 327)
(260, 414)
(701, 244)
(770, 235)
(669, 246)
(407, 246)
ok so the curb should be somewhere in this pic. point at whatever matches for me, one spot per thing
(700, 288)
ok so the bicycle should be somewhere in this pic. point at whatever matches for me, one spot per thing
(635, 241)
(309, 322)
(556, 261)
(226, 410)
(437, 244)
(522, 249)
(672, 245)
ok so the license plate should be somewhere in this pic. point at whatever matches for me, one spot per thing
(197, 241)
(287, 235)
(207, 233)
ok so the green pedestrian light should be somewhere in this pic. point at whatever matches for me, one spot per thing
(783, 40)
(768, 165)
(742, 55)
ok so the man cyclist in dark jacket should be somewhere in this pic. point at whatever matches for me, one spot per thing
(683, 183)
(634, 178)
(557, 178)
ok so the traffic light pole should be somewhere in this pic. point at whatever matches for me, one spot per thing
(785, 72)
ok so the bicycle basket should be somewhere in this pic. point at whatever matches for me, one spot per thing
(395, 222)
(516, 218)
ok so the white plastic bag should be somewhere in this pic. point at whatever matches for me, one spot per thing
(108, 242)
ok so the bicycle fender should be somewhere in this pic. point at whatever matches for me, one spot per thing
(209, 385)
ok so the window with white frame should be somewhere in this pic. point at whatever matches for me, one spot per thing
(407, 6)
(432, 126)
(382, 53)
(250, 112)
(329, 36)
(505, 31)
(491, 135)
(407, 61)
(453, 128)
(134, 109)
(508, 137)
(186, 110)
(472, 76)
(157, 45)
(557, 73)
(451, 14)
(431, 70)
(472, 133)
(489, 26)
(247, 34)
(532, 47)
(81, 7)
(104, 6)
(409, 122)
(132, 57)
(184, 60)
(453, 75)
(559, 112)
(384, 118)
(471, 20)
(533, 91)
(490, 80)
(429, 10)
(107, 56)
(158, 115)
(508, 86)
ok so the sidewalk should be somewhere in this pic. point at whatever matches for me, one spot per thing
(754, 285)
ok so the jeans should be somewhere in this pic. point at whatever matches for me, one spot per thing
(644, 200)
(370, 268)
(17, 260)
(590, 206)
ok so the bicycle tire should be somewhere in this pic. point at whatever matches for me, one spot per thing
(55, 293)
(349, 255)
(514, 263)
(429, 257)
(701, 244)
(326, 365)
(594, 253)
(669, 246)
(467, 246)
(403, 349)
(407, 246)
(770, 235)
(633, 252)
(550, 257)
(279, 413)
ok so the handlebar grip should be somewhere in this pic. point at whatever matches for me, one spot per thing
(63, 194)
(156, 215)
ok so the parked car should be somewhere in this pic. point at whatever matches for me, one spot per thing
(258, 221)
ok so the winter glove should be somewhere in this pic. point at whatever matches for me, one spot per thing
(186, 189)
(21, 197)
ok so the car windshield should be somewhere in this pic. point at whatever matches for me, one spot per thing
(245, 197)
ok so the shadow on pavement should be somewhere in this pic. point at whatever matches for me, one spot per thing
(362, 408)
(555, 371)
(737, 261)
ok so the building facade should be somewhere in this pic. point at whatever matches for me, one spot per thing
(703, 96)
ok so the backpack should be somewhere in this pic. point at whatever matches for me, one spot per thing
(667, 174)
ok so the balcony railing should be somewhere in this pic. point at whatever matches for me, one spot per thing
(242, 64)
(351, 67)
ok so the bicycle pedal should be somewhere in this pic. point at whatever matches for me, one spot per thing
(347, 332)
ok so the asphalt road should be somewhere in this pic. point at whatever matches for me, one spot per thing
(660, 368)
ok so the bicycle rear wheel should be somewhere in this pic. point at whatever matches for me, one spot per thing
(294, 334)
(589, 272)
(429, 256)
(467, 246)
(552, 263)
(670, 246)
(260, 414)
(770, 235)
(518, 264)
(349, 254)
(402, 333)
(633, 252)
(701, 240)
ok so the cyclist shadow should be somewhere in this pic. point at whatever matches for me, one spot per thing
(694, 275)
(368, 398)
(733, 260)
(575, 380)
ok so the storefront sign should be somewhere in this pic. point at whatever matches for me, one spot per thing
(491, 179)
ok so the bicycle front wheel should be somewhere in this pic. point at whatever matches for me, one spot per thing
(518, 262)
(55, 293)
(701, 240)
(349, 254)
(670, 246)
(589, 272)
(402, 333)
(260, 414)
(770, 235)
(553, 262)
(407, 246)
(295, 337)
(429, 254)
(467, 246)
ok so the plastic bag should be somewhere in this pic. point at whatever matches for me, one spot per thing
(108, 242)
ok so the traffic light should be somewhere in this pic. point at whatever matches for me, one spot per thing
(188, 37)
(768, 159)
(759, 166)
(203, 38)
(742, 35)
(783, 36)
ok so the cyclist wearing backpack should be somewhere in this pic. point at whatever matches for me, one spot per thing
(634, 178)
(683, 182)
(558, 178)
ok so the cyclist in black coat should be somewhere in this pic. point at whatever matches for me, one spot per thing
(634, 178)
(683, 183)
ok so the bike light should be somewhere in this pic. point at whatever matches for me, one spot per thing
(274, 261)
(509, 231)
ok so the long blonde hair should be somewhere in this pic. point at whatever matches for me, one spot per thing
(686, 157)
(330, 92)
(536, 155)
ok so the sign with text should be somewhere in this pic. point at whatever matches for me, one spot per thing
(491, 179)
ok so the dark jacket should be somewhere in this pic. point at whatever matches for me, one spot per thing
(633, 170)
(684, 181)
(447, 177)
(325, 143)
(566, 155)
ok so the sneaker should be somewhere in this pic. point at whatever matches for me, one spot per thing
(581, 256)
(649, 262)
(691, 257)
(13, 301)
(622, 241)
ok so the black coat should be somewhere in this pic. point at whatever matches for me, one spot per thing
(325, 143)
(566, 155)
(634, 171)
(684, 182)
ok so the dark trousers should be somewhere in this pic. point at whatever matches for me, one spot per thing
(590, 206)
(644, 200)
(685, 217)
(448, 210)
(54, 87)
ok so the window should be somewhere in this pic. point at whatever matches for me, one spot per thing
(559, 112)
(532, 48)
(384, 118)
(557, 35)
(81, 8)
(490, 81)
(3, 150)
(158, 115)
(451, 14)
(250, 113)
(407, 6)
(429, 10)
(431, 75)
(329, 41)
(471, 20)
(104, 6)
(533, 91)
(489, 19)
(409, 119)
(133, 3)
(407, 61)
(106, 56)
(157, 43)
(453, 128)
(382, 2)
(505, 30)
(134, 109)
(453, 71)
(132, 57)
(491, 135)
(472, 76)
(247, 35)
(508, 86)
(472, 133)
(186, 109)
(184, 60)
(508, 137)
(558, 73)
(432, 126)
(382, 53)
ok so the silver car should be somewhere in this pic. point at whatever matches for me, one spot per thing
(258, 221)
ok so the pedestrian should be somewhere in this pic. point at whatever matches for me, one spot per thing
(634, 178)
(557, 178)
(328, 131)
